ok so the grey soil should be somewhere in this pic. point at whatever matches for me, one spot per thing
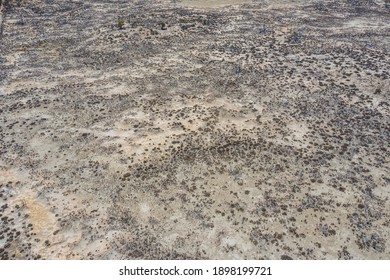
(174, 130)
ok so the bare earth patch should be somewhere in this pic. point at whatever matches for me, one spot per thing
(201, 130)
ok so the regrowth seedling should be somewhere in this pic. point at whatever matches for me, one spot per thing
(121, 23)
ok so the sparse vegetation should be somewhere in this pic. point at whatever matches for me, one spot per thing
(234, 132)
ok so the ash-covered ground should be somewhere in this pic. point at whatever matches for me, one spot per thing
(194, 129)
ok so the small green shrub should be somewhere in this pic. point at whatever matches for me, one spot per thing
(121, 23)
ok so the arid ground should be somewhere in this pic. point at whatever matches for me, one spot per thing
(194, 129)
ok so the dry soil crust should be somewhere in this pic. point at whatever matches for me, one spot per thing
(155, 130)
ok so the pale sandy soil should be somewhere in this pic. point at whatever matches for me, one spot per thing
(205, 130)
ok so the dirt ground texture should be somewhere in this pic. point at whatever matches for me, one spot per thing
(194, 129)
